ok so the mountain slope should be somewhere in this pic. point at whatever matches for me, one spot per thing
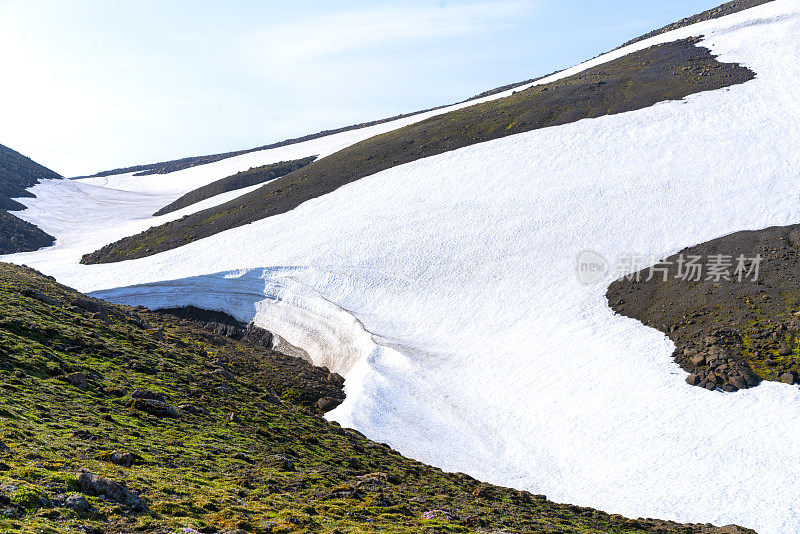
(122, 420)
(728, 333)
(668, 71)
(240, 180)
(723, 10)
(166, 167)
(17, 173)
(444, 289)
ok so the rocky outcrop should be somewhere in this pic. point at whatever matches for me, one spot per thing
(730, 332)
(17, 174)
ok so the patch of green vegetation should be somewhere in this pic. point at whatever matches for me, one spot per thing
(238, 456)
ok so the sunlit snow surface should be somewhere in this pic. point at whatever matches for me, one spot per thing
(446, 290)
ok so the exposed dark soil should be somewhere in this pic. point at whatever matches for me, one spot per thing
(121, 420)
(223, 324)
(720, 11)
(666, 72)
(17, 235)
(254, 176)
(16, 174)
(728, 334)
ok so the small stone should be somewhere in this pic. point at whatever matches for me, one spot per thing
(116, 391)
(699, 360)
(711, 386)
(787, 378)
(78, 503)
(192, 409)
(327, 404)
(125, 459)
(79, 380)
(738, 382)
(86, 435)
(154, 407)
(751, 379)
(784, 351)
(336, 378)
(693, 379)
(148, 395)
(243, 457)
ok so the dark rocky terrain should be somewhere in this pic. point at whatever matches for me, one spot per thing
(728, 8)
(254, 176)
(17, 235)
(122, 420)
(669, 71)
(17, 173)
(729, 334)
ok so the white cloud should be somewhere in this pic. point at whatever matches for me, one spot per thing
(321, 39)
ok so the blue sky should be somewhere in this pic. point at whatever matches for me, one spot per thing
(89, 85)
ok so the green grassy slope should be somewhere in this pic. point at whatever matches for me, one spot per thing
(665, 72)
(120, 420)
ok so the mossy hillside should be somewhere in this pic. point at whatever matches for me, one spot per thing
(669, 71)
(237, 457)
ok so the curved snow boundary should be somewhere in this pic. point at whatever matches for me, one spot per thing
(306, 324)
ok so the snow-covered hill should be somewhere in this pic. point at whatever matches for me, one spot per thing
(450, 301)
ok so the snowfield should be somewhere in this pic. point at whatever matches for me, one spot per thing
(445, 289)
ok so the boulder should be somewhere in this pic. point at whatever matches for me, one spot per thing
(92, 484)
(738, 382)
(787, 378)
(79, 380)
(78, 503)
(154, 407)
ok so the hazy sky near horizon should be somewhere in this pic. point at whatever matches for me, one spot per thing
(89, 85)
